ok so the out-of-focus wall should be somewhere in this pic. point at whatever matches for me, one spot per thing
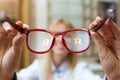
(39, 14)
(11, 7)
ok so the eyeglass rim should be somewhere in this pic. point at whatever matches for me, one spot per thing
(43, 30)
(53, 42)
(77, 52)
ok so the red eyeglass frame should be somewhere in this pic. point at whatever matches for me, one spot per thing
(4, 18)
(54, 39)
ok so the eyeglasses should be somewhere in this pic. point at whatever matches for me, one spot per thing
(75, 41)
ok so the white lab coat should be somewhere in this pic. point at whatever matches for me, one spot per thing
(36, 72)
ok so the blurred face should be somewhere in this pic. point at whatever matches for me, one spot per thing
(59, 51)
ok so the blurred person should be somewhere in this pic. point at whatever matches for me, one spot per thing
(60, 64)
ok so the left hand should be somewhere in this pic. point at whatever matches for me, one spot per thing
(107, 41)
(11, 47)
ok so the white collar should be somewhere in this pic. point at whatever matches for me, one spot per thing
(63, 67)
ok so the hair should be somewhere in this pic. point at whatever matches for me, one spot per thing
(71, 59)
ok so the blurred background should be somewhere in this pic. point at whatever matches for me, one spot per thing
(41, 13)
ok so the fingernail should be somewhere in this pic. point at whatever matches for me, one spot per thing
(97, 17)
(7, 26)
(25, 25)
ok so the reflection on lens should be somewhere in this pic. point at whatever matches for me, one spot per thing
(77, 40)
(42, 41)
(46, 42)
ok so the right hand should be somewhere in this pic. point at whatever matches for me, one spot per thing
(107, 41)
(11, 46)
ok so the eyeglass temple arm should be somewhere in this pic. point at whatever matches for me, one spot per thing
(4, 18)
(99, 25)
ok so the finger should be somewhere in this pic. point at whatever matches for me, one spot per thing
(100, 43)
(4, 36)
(15, 51)
(94, 23)
(19, 23)
(104, 52)
(7, 27)
(8, 30)
(98, 19)
(11, 30)
(25, 27)
(18, 42)
(107, 31)
(114, 28)
(17, 46)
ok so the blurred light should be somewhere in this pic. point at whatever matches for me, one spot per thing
(46, 42)
(78, 41)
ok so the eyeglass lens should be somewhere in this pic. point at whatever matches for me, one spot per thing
(45, 41)
(77, 40)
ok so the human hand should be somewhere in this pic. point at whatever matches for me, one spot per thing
(107, 41)
(11, 45)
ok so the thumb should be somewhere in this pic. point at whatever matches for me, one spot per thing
(17, 43)
(13, 55)
(100, 43)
